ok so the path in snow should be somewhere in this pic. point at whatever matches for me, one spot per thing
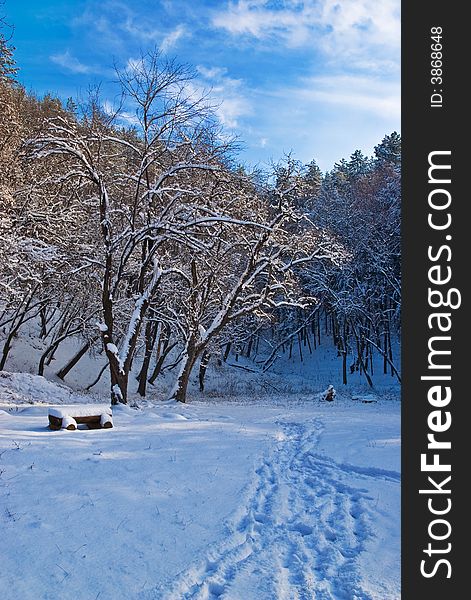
(299, 534)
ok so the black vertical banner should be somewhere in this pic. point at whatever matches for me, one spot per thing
(436, 250)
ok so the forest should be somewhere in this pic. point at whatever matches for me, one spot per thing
(242, 320)
(134, 229)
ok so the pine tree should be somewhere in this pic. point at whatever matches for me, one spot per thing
(358, 165)
(8, 68)
(313, 175)
(389, 151)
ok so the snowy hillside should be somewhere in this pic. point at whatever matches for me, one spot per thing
(287, 376)
(207, 500)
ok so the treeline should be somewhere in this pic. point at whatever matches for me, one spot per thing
(133, 229)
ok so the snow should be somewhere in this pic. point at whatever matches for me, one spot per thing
(329, 394)
(295, 498)
(105, 418)
(136, 317)
(79, 410)
(116, 391)
(112, 348)
(23, 387)
(67, 421)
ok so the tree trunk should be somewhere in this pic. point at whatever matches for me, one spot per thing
(167, 348)
(98, 377)
(226, 351)
(74, 360)
(370, 356)
(344, 367)
(150, 336)
(43, 331)
(344, 354)
(249, 348)
(189, 358)
(119, 386)
(7, 347)
(15, 326)
(203, 367)
(363, 367)
(300, 347)
(42, 360)
(390, 352)
(52, 349)
(385, 362)
(308, 341)
(118, 373)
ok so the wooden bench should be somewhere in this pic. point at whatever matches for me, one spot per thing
(94, 416)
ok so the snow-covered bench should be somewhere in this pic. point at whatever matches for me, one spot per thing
(67, 417)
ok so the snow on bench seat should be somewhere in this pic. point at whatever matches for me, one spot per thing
(67, 417)
(80, 410)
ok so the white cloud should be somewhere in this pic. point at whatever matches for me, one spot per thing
(129, 118)
(359, 93)
(171, 39)
(211, 72)
(118, 17)
(134, 64)
(69, 62)
(325, 118)
(228, 95)
(353, 91)
(125, 117)
(231, 109)
(137, 30)
(366, 29)
(255, 18)
(352, 31)
(109, 108)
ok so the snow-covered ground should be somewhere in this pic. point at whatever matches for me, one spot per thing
(285, 498)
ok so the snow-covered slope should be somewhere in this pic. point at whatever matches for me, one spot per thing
(21, 388)
(234, 379)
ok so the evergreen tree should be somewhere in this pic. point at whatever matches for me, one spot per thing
(313, 176)
(8, 68)
(389, 150)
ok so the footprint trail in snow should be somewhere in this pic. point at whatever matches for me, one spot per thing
(299, 534)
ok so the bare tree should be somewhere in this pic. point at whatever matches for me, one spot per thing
(250, 269)
(145, 189)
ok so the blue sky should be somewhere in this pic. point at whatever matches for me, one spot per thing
(318, 77)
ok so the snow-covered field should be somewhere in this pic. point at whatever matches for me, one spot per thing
(286, 498)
